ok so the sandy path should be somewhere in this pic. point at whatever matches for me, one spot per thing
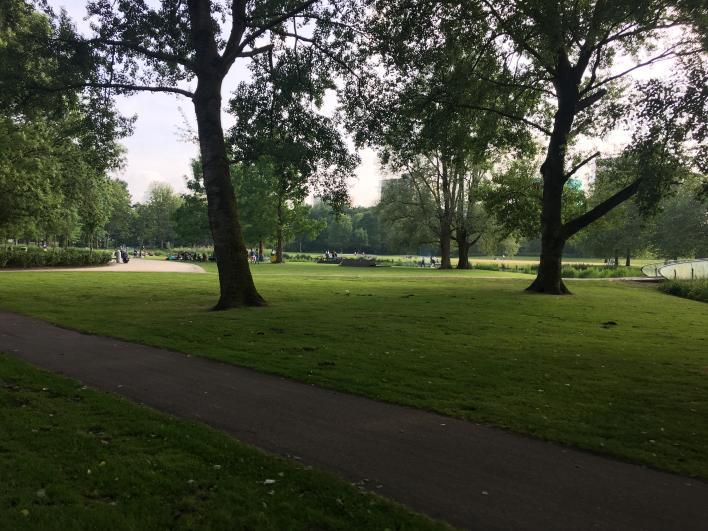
(136, 265)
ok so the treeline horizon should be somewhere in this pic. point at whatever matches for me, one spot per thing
(167, 220)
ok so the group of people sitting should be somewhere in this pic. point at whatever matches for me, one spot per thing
(139, 253)
(121, 256)
(191, 256)
(329, 254)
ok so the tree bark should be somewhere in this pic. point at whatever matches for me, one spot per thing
(549, 278)
(463, 246)
(628, 261)
(464, 260)
(235, 281)
(445, 246)
(279, 235)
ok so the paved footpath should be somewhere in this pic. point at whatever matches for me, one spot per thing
(472, 476)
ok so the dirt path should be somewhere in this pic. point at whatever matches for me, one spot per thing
(134, 265)
(472, 476)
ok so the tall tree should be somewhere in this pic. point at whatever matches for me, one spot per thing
(680, 229)
(55, 149)
(471, 220)
(162, 46)
(408, 214)
(162, 204)
(569, 50)
(423, 109)
(120, 221)
(280, 130)
(191, 217)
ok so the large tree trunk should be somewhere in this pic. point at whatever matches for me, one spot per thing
(463, 246)
(464, 260)
(628, 261)
(445, 247)
(235, 280)
(279, 235)
(549, 278)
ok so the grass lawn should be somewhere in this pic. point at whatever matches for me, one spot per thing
(72, 458)
(449, 341)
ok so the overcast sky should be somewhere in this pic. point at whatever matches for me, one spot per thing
(157, 151)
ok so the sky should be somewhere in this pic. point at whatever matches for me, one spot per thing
(158, 151)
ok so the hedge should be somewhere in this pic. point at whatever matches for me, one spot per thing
(569, 270)
(689, 289)
(22, 257)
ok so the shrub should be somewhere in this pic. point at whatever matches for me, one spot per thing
(689, 289)
(568, 270)
(486, 266)
(299, 257)
(37, 257)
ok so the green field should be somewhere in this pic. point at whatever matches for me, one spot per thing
(617, 368)
(400, 258)
(79, 459)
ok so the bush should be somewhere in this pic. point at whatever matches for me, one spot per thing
(568, 271)
(486, 266)
(300, 257)
(37, 257)
(689, 289)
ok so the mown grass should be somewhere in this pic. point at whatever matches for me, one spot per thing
(616, 368)
(392, 265)
(72, 458)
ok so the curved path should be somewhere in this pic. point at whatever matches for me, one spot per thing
(472, 476)
(134, 265)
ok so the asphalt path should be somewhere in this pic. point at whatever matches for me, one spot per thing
(471, 476)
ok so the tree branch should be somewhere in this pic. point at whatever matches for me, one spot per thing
(475, 240)
(520, 41)
(120, 86)
(147, 52)
(632, 31)
(270, 24)
(589, 101)
(572, 227)
(238, 28)
(510, 116)
(580, 165)
(662, 56)
(256, 51)
(521, 86)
